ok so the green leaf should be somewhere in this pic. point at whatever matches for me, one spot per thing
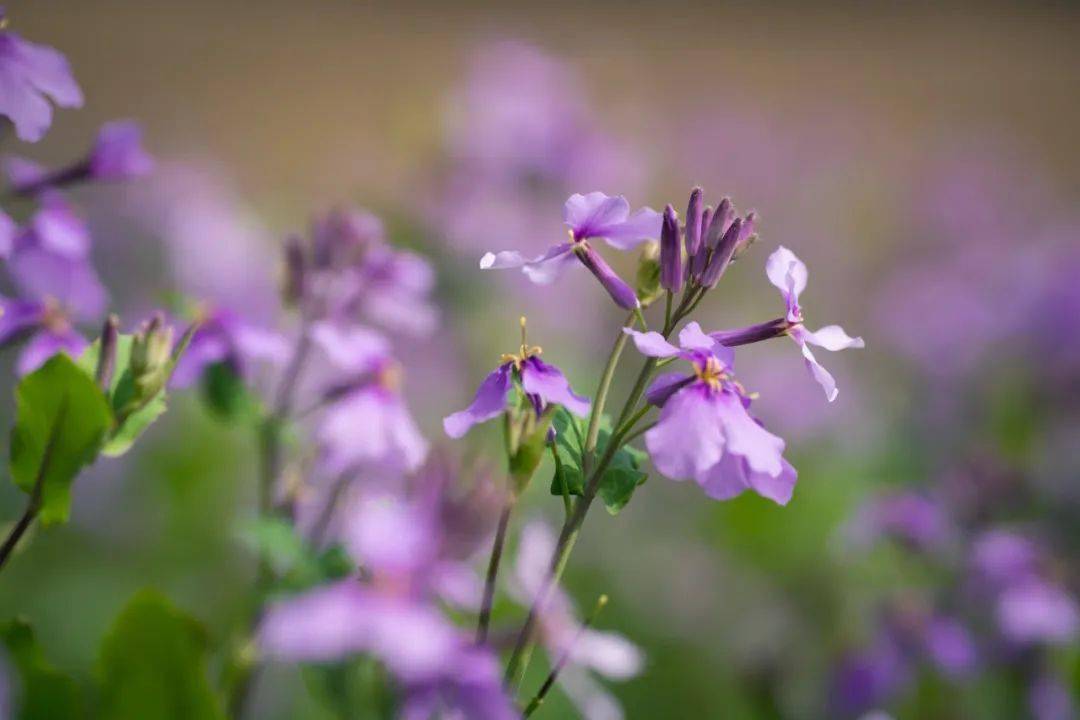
(47, 694)
(225, 393)
(623, 474)
(61, 420)
(153, 664)
(132, 422)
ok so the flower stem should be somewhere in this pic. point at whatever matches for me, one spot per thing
(564, 658)
(593, 433)
(493, 570)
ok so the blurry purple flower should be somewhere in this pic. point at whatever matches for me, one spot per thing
(1049, 699)
(542, 383)
(357, 274)
(907, 517)
(48, 327)
(789, 274)
(588, 650)
(592, 216)
(705, 431)
(8, 231)
(226, 337)
(949, 646)
(1002, 558)
(30, 73)
(117, 155)
(869, 678)
(55, 228)
(1038, 612)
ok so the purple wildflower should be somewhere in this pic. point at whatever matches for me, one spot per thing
(907, 517)
(588, 217)
(48, 326)
(117, 155)
(705, 431)
(1037, 611)
(29, 74)
(588, 650)
(949, 645)
(226, 337)
(392, 615)
(542, 383)
(789, 275)
(55, 228)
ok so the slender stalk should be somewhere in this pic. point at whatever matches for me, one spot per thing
(322, 524)
(564, 658)
(493, 570)
(33, 507)
(593, 433)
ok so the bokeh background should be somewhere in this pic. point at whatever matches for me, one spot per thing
(922, 159)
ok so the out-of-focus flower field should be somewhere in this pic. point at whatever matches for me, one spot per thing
(921, 160)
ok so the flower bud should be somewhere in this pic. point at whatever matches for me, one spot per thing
(151, 355)
(752, 334)
(701, 256)
(620, 292)
(721, 254)
(107, 352)
(746, 236)
(671, 266)
(694, 215)
(647, 280)
(719, 224)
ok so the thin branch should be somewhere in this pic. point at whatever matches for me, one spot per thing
(493, 570)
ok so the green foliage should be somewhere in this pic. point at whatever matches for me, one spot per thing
(153, 664)
(46, 694)
(226, 395)
(622, 476)
(61, 421)
(298, 565)
(530, 450)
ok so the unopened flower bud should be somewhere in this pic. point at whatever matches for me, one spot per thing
(620, 292)
(151, 355)
(694, 214)
(107, 352)
(701, 256)
(721, 254)
(671, 267)
(647, 280)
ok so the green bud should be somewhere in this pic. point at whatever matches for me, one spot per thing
(150, 361)
(647, 283)
(532, 441)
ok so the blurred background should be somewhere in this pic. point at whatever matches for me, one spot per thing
(922, 159)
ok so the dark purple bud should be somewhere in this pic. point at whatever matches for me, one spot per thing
(295, 282)
(694, 214)
(671, 267)
(751, 334)
(620, 292)
(721, 254)
(107, 352)
(699, 258)
(720, 222)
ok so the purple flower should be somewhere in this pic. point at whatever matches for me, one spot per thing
(369, 425)
(949, 646)
(356, 273)
(1038, 612)
(789, 275)
(29, 74)
(705, 431)
(1002, 558)
(391, 614)
(587, 650)
(671, 263)
(55, 228)
(117, 155)
(588, 217)
(907, 517)
(542, 383)
(48, 327)
(226, 337)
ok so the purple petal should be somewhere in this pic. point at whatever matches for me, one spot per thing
(1038, 612)
(47, 343)
(118, 153)
(370, 427)
(326, 624)
(652, 343)
(8, 231)
(389, 535)
(788, 274)
(584, 214)
(258, 344)
(832, 337)
(28, 72)
(692, 337)
(549, 383)
(57, 228)
(763, 450)
(642, 226)
(489, 402)
(623, 295)
(665, 385)
(606, 653)
(950, 646)
(688, 439)
(823, 377)
(17, 317)
(207, 347)
(352, 348)
(733, 475)
(43, 275)
(22, 172)
(542, 269)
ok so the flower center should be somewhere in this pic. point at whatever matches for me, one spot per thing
(711, 373)
(389, 376)
(525, 351)
(53, 318)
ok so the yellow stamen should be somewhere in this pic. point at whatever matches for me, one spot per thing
(525, 351)
(390, 376)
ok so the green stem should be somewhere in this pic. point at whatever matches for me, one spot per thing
(564, 658)
(593, 433)
(493, 570)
